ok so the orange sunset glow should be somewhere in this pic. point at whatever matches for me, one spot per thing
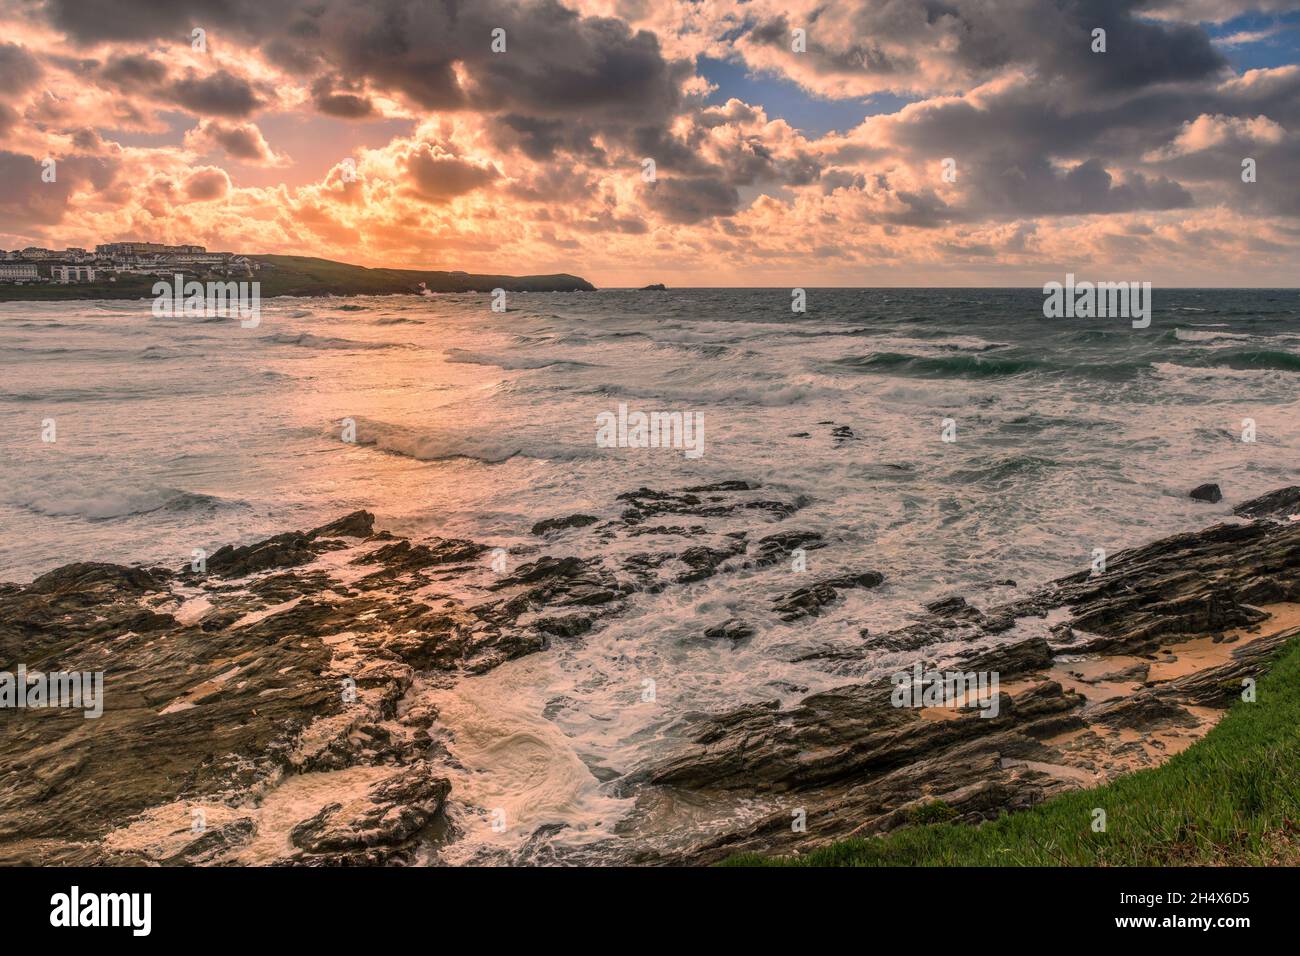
(239, 128)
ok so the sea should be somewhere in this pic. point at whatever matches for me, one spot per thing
(955, 440)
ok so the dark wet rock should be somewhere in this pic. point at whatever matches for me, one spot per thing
(546, 569)
(282, 551)
(1206, 492)
(359, 524)
(1133, 674)
(858, 765)
(401, 559)
(704, 561)
(280, 669)
(392, 813)
(223, 688)
(278, 588)
(556, 524)
(565, 625)
(646, 503)
(724, 486)
(1280, 504)
(1145, 710)
(815, 598)
(953, 607)
(775, 548)
(732, 629)
(214, 842)
(88, 581)
(1015, 658)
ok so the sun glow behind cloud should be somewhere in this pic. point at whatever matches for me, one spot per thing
(821, 167)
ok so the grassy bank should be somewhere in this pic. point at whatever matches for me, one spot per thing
(1232, 798)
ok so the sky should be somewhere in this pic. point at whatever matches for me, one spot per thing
(791, 142)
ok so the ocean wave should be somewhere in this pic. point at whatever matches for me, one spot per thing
(693, 348)
(308, 340)
(438, 444)
(770, 396)
(985, 366)
(1249, 359)
(509, 362)
(1003, 470)
(1204, 335)
(108, 505)
(158, 353)
(942, 366)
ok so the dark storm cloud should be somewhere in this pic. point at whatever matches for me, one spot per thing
(329, 99)
(541, 138)
(217, 94)
(557, 63)
(134, 71)
(1033, 186)
(688, 201)
(93, 21)
(19, 70)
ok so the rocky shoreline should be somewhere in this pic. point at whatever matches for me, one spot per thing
(266, 710)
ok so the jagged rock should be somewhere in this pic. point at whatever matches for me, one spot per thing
(723, 486)
(1014, 658)
(859, 765)
(281, 551)
(775, 548)
(1280, 504)
(374, 828)
(704, 561)
(1136, 674)
(732, 629)
(555, 524)
(278, 663)
(953, 607)
(812, 600)
(359, 524)
(1206, 492)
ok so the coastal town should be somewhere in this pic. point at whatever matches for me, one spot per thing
(111, 260)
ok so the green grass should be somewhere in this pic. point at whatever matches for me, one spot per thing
(1232, 798)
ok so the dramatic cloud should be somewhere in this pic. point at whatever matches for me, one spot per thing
(241, 141)
(976, 140)
(206, 184)
(438, 176)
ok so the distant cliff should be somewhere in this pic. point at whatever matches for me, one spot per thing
(305, 275)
